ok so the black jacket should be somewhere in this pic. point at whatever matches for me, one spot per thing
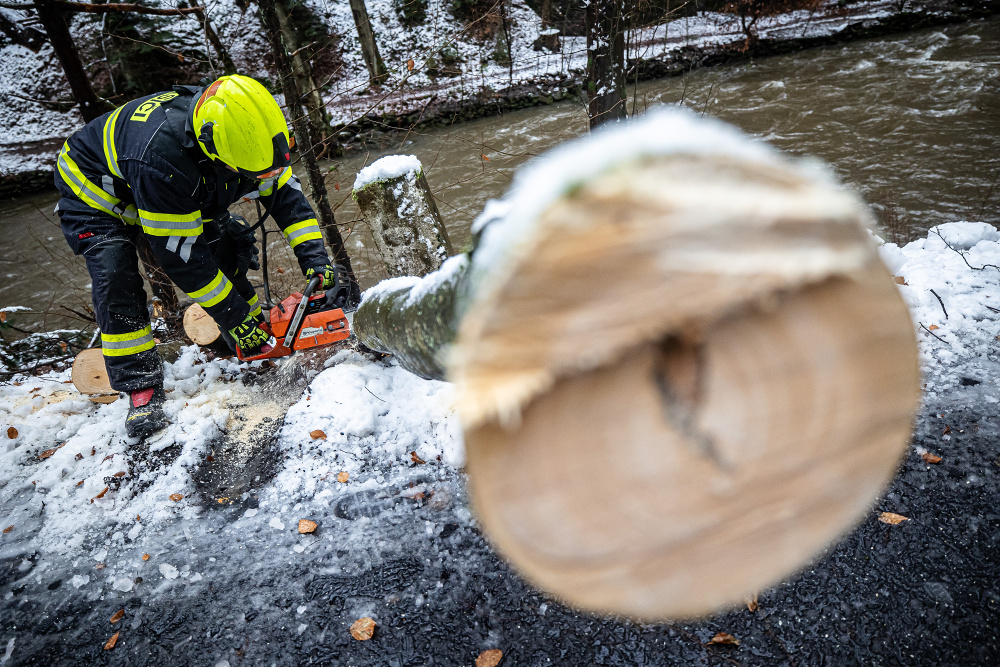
(142, 164)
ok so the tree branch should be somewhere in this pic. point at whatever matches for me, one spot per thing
(111, 8)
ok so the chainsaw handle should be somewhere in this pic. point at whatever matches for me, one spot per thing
(300, 311)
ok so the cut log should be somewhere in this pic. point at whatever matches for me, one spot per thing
(199, 326)
(681, 368)
(90, 376)
(397, 204)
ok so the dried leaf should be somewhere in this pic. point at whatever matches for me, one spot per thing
(11, 432)
(409, 68)
(342, 477)
(415, 458)
(306, 526)
(138, 518)
(947, 430)
(93, 451)
(101, 494)
(363, 629)
(119, 474)
(317, 435)
(725, 639)
(176, 497)
(111, 642)
(280, 270)
(107, 458)
(751, 602)
(78, 457)
(63, 346)
(900, 280)
(930, 458)
(8, 529)
(489, 658)
(100, 566)
(486, 158)
(3, 313)
(892, 518)
(209, 458)
(117, 616)
(47, 453)
(933, 327)
(80, 482)
(336, 186)
(145, 556)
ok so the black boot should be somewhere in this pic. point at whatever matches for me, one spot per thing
(145, 412)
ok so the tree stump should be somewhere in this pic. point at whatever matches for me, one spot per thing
(397, 204)
(90, 376)
(681, 368)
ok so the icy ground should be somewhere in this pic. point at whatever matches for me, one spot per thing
(31, 132)
(230, 580)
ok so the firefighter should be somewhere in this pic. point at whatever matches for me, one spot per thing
(168, 166)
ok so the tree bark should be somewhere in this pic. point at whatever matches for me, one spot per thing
(91, 106)
(369, 48)
(306, 148)
(312, 100)
(672, 329)
(605, 60)
(409, 235)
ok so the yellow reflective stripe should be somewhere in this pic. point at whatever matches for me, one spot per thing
(300, 232)
(283, 178)
(171, 224)
(134, 342)
(92, 195)
(254, 307)
(110, 153)
(213, 292)
(269, 186)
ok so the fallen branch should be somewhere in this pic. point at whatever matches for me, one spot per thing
(941, 302)
(110, 8)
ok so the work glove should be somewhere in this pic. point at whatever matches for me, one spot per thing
(328, 272)
(237, 228)
(251, 337)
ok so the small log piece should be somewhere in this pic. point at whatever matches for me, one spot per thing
(682, 369)
(199, 326)
(397, 204)
(90, 376)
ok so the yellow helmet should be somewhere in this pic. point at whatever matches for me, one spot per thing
(239, 123)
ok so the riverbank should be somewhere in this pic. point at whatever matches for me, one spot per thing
(373, 455)
(478, 87)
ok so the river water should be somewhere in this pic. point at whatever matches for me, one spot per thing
(912, 122)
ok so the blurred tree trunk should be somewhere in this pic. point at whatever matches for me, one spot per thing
(213, 37)
(305, 145)
(369, 49)
(606, 60)
(54, 22)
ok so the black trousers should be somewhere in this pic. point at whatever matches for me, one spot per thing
(109, 247)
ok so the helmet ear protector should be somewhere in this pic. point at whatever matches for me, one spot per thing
(281, 152)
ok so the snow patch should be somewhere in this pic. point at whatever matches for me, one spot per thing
(387, 168)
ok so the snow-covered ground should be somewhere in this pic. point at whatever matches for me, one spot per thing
(31, 133)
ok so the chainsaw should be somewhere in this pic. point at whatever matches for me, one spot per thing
(304, 320)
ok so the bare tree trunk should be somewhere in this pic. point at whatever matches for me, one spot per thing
(306, 148)
(311, 98)
(54, 22)
(369, 49)
(227, 62)
(606, 60)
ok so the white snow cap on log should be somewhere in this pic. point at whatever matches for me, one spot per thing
(383, 169)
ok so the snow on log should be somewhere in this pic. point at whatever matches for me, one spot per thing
(682, 369)
(397, 204)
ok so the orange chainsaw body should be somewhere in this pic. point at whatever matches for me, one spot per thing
(320, 327)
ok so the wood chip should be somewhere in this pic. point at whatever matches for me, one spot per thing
(892, 518)
(8, 529)
(947, 430)
(176, 497)
(145, 556)
(117, 616)
(47, 453)
(725, 639)
(416, 459)
(107, 458)
(317, 435)
(111, 642)
(78, 457)
(100, 495)
(751, 602)
(11, 432)
(930, 458)
(306, 526)
(489, 658)
(100, 566)
(80, 482)
(363, 629)
(342, 477)
(119, 474)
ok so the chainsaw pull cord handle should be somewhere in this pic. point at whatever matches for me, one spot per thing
(300, 311)
(261, 219)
